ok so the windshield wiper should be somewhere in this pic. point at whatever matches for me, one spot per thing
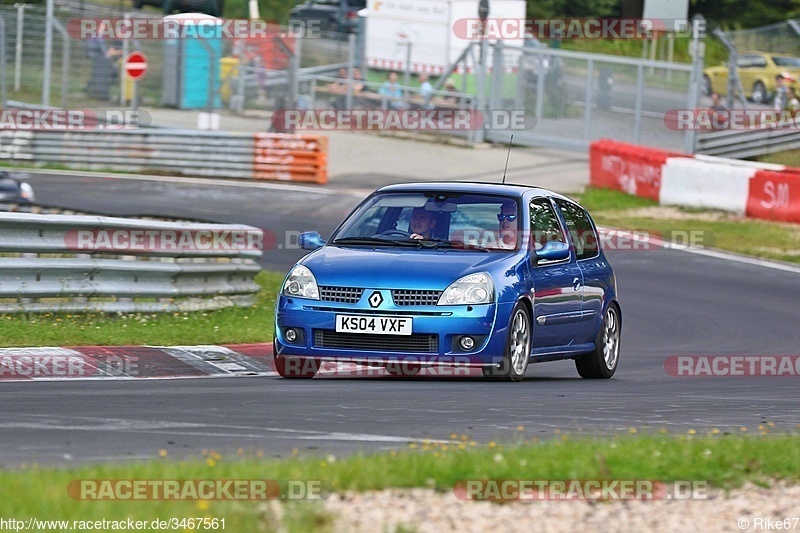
(469, 246)
(372, 241)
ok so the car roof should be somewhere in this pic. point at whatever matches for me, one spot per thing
(509, 189)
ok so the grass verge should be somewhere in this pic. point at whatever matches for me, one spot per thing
(759, 238)
(719, 459)
(790, 158)
(231, 325)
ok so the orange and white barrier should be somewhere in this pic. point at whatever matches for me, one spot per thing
(290, 157)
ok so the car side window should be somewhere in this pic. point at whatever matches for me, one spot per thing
(545, 226)
(584, 236)
(758, 62)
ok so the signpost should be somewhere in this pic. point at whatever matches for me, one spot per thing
(135, 67)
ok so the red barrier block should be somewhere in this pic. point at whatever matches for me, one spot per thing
(629, 168)
(775, 195)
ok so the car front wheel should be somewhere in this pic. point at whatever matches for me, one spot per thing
(602, 363)
(518, 348)
(759, 93)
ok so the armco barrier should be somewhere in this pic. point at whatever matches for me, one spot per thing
(60, 263)
(758, 190)
(286, 157)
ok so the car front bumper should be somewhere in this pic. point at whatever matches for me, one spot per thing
(434, 340)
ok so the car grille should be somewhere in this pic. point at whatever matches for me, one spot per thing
(344, 295)
(416, 343)
(409, 297)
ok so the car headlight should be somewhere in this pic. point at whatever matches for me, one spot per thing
(471, 289)
(301, 283)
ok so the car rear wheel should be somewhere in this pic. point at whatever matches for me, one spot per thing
(296, 367)
(759, 93)
(518, 348)
(602, 363)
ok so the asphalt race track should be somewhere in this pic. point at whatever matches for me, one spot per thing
(674, 303)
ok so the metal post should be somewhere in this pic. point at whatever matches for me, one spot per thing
(540, 79)
(670, 53)
(588, 102)
(496, 86)
(64, 62)
(480, 79)
(2, 62)
(135, 98)
(123, 76)
(690, 139)
(18, 47)
(351, 57)
(407, 75)
(637, 117)
(294, 78)
(48, 53)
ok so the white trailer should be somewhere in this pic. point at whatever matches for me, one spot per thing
(428, 27)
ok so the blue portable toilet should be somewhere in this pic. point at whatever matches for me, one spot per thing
(191, 62)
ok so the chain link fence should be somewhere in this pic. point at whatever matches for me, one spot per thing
(575, 97)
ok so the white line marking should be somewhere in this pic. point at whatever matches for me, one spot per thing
(704, 251)
(180, 179)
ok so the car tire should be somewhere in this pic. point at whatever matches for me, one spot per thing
(603, 361)
(518, 348)
(759, 95)
(707, 86)
(296, 367)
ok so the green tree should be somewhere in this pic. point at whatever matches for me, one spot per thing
(746, 13)
(541, 9)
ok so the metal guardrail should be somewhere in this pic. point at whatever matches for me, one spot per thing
(43, 267)
(747, 143)
(271, 156)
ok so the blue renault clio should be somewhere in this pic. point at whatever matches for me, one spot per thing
(482, 275)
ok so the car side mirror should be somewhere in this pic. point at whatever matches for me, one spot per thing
(310, 240)
(553, 251)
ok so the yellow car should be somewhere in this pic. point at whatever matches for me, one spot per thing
(757, 71)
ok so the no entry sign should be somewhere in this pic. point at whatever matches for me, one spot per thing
(136, 65)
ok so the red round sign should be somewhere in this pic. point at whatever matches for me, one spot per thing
(135, 65)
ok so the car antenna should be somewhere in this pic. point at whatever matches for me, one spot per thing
(508, 155)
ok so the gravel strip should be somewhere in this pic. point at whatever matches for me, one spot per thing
(425, 510)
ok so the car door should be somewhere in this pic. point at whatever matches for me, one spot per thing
(747, 71)
(597, 273)
(558, 285)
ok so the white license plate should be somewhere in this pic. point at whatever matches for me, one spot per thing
(385, 325)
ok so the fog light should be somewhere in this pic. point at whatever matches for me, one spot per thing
(291, 335)
(466, 342)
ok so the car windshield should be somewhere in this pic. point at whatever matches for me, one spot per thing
(793, 62)
(423, 220)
